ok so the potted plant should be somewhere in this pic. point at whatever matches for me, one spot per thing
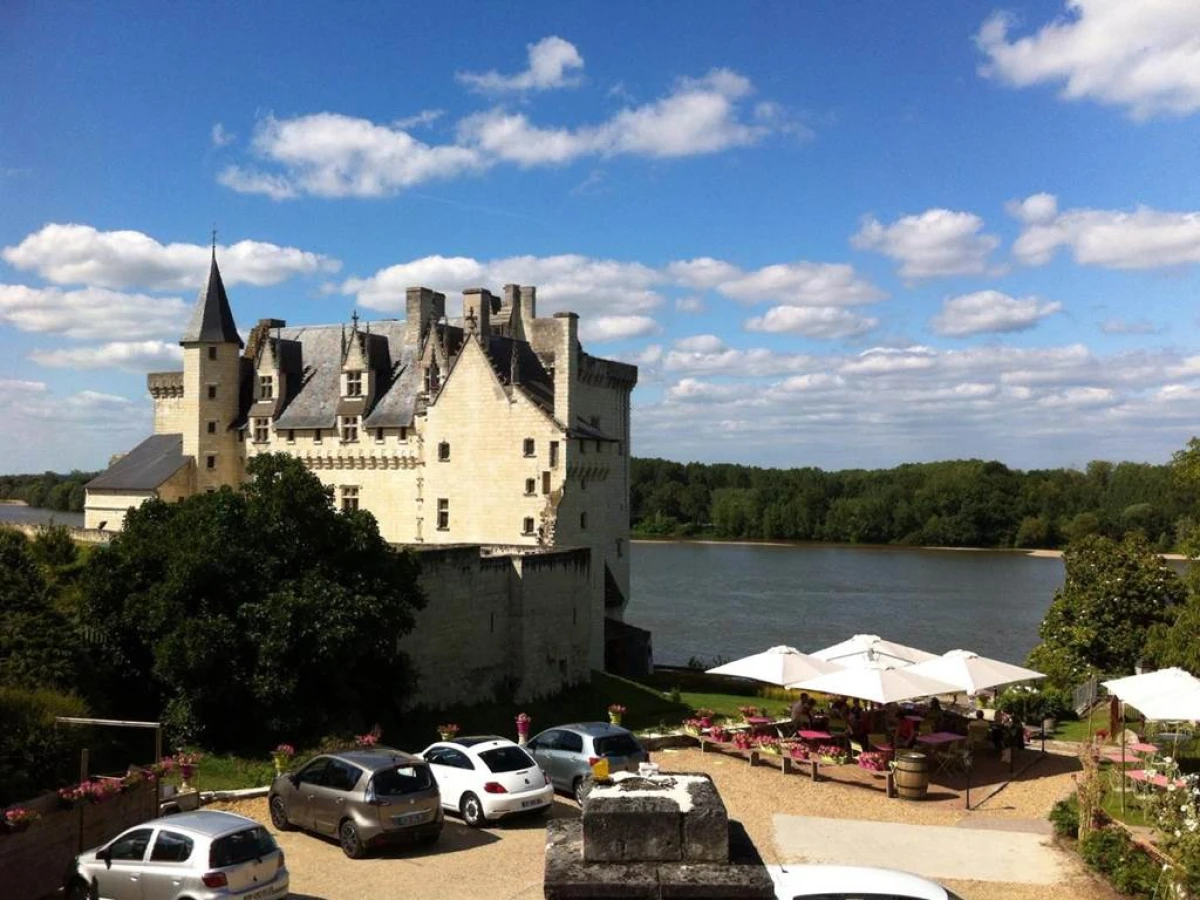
(523, 723)
(187, 763)
(447, 732)
(615, 712)
(705, 717)
(873, 761)
(281, 756)
(19, 818)
(748, 712)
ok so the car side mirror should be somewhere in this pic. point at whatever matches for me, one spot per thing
(106, 855)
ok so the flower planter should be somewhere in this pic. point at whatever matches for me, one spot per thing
(186, 773)
(614, 719)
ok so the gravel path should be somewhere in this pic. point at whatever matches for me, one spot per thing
(505, 861)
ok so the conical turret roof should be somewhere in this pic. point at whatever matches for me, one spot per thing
(212, 320)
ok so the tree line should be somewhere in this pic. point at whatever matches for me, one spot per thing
(50, 490)
(959, 503)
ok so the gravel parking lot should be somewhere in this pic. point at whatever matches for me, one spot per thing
(505, 861)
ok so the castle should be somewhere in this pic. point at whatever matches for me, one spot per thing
(493, 444)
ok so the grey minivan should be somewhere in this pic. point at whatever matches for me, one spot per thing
(567, 753)
(202, 855)
(364, 798)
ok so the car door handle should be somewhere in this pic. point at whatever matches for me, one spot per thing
(341, 800)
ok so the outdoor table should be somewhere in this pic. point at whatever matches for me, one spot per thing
(758, 720)
(1115, 756)
(940, 737)
(1158, 781)
(814, 735)
(1173, 737)
(915, 718)
(1142, 747)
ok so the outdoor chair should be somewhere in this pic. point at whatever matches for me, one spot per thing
(856, 749)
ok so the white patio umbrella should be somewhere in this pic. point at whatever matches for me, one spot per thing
(971, 672)
(877, 685)
(778, 665)
(1168, 695)
(870, 651)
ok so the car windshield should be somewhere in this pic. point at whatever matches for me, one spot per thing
(402, 780)
(506, 759)
(240, 847)
(617, 745)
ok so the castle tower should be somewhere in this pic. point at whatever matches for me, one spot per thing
(212, 368)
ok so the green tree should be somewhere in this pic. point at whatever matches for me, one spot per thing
(36, 640)
(243, 616)
(1100, 618)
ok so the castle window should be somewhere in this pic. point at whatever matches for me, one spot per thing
(266, 387)
(210, 461)
(242, 437)
(583, 521)
(527, 525)
(291, 438)
(403, 434)
(379, 435)
(212, 427)
(317, 436)
(212, 352)
(349, 429)
(349, 498)
(545, 482)
(553, 454)
(262, 431)
(354, 384)
(530, 447)
(444, 451)
(443, 514)
(530, 486)
(212, 392)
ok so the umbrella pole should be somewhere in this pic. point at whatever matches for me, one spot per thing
(1122, 724)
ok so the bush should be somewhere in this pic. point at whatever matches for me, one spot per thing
(1112, 853)
(1065, 817)
(34, 754)
(1036, 705)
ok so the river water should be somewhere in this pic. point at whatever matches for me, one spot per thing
(732, 600)
(32, 515)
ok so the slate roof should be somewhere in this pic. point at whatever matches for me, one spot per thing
(144, 467)
(212, 319)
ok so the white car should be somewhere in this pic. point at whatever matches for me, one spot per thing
(488, 778)
(853, 883)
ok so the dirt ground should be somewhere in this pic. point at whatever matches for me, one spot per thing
(505, 861)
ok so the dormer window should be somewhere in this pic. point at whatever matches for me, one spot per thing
(266, 387)
(262, 431)
(354, 384)
(349, 429)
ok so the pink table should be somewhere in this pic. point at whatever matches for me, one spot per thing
(915, 718)
(940, 737)
(815, 735)
(1159, 781)
(759, 720)
(1142, 747)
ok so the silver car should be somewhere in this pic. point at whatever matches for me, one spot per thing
(364, 798)
(568, 752)
(203, 855)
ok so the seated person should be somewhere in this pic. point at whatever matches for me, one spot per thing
(977, 730)
(906, 732)
(802, 712)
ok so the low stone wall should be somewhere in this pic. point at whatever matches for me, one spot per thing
(81, 535)
(34, 861)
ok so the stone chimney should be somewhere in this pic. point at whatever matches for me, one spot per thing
(423, 307)
(566, 366)
(477, 305)
(528, 297)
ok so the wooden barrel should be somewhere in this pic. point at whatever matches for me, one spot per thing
(912, 775)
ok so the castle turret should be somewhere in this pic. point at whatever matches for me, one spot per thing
(212, 387)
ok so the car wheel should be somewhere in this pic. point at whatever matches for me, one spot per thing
(578, 791)
(352, 844)
(472, 811)
(279, 814)
(78, 890)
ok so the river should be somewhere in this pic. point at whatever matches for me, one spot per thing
(733, 600)
(33, 515)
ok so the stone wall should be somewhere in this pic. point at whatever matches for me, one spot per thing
(499, 623)
(33, 862)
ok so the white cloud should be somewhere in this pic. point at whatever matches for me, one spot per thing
(1130, 326)
(825, 322)
(220, 137)
(792, 284)
(421, 119)
(700, 343)
(331, 155)
(616, 328)
(1142, 56)
(691, 304)
(80, 254)
(553, 63)
(990, 312)
(91, 313)
(1113, 239)
(936, 243)
(130, 356)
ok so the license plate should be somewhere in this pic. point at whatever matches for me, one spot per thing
(530, 804)
(413, 818)
(262, 894)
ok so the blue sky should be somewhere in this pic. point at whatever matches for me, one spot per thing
(829, 234)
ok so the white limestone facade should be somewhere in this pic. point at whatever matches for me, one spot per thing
(493, 430)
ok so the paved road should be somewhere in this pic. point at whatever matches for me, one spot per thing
(934, 851)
